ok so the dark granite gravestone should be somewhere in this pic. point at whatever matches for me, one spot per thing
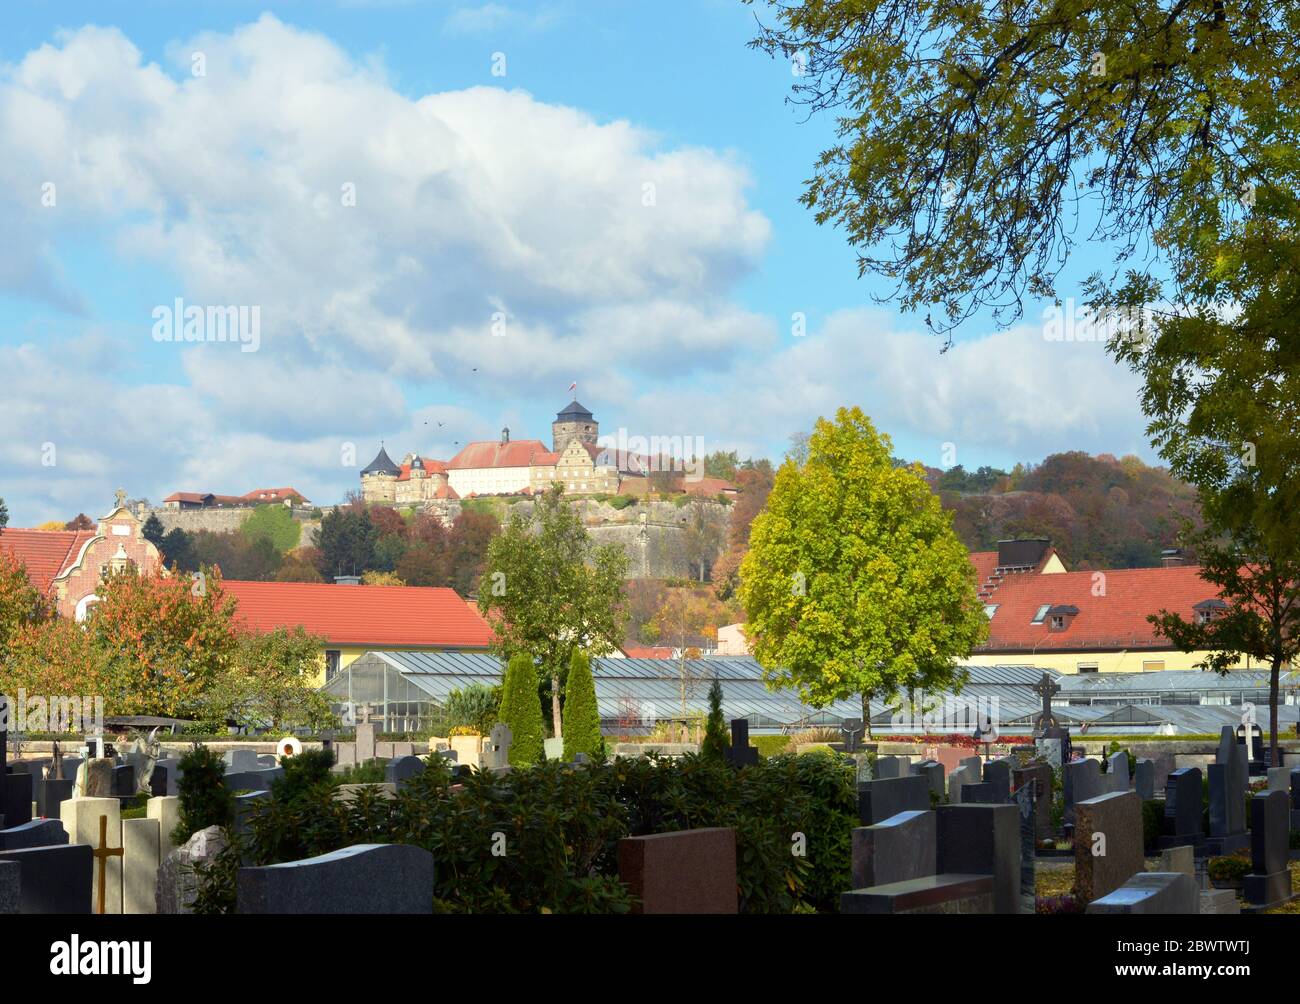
(239, 760)
(887, 797)
(1269, 882)
(158, 781)
(10, 884)
(124, 780)
(740, 753)
(1295, 798)
(366, 878)
(902, 847)
(998, 772)
(1107, 843)
(244, 806)
(960, 894)
(932, 771)
(687, 871)
(252, 780)
(983, 793)
(16, 798)
(1151, 893)
(1082, 780)
(1227, 812)
(401, 769)
(892, 766)
(1028, 846)
(50, 795)
(1145, 779)
(1039, 775)
(1182, 823)
(983, 840)
(37, 833)
(1117, 778)
(55, 879)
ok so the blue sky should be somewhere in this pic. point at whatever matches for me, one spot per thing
(625, 196)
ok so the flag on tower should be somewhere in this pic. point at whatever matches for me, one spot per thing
(574, 386)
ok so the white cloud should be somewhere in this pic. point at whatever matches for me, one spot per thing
(494, 17)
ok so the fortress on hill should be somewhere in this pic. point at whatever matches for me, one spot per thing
(511, 467)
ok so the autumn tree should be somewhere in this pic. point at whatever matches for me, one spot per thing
(688, 621)
(83, 522)
(21, 604)
(547, 591)
(270, 682)
(855, 582)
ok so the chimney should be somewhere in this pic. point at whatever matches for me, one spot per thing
(347, 580)
(505, 436)
(1171, 557)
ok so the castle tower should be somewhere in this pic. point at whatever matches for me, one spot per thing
(379, 478)
(574, 422)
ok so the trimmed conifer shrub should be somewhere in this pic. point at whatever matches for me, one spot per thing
(716, 739)
(521, 709)
(581, 715)
(205, 800)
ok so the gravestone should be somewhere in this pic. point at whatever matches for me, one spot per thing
(10, 888)
(1150, 893)
(252, 780)
(141, 846)
(687, 871)
(880, 800)
(244, 806)
(1051, 751)
(37, 833)
(1028, 846)
(957, 780)
(402, 769)
(982, 793)
(364, 745)
(902, 847)
(81, 820)
(166, 811)
(975, 766)
(1178, 859)
(1039, 777)
(983, 840)
(740, 753)
(16, 798)
(1279, 779)
(553, 748)
(998, 772)
(1117, 778)
(1227, 809)
(363, 879)
(1107, 843)
(1295, 798)
(932, 771)
(1082, 781)
(55, 879)
(1145, 779)
(1269, 882)
(178, 882)
(892, 766)
(158, 785)
(1182, 823)
(238, 761)
(95, 778)
(124, 780)
(50, 794)
(946, 894)
(267, 760)
(496, 754)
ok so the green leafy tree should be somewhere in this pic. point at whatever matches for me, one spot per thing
(722, 464)
(4, 515)
(177, 550)
(347, 540)
(716, 740)
(474, 706)
(21, 605)
(1221, 390)
(522, 711)
(271, 683)
(581, 714)
(548, 591)
(855, 582)
(153, 531)
(972, 137)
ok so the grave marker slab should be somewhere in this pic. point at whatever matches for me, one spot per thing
(403, 769)
(1150, 893)
(900, 848)
(10, 888)
(932, 771)
(741, 754)
(1269, 881)
(1182, 824)
(1107, 843)
(686, 871)
(141, 843)
(879, 800)
(36, 833)
(1145, 779)
(81, 818)
(1039, 777)
(16, 799)
(363, 879)
(999, 772)
(1117, 778)
(1227, 810)
(983, 840)
(892, 766)
(56, 879)
(238, 761)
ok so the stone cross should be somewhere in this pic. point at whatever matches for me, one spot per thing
(120, 494)
(1046, 688)
(102, 853)
(367, 710)
(499, 740)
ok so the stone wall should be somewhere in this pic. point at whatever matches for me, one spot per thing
(226, 520)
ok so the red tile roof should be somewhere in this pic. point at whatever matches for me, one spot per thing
(45, 553)
(647, 651)
(277, 494)
(430, 467)
(383, 616)
(1115, 620)
(516, 453)
(186, 497)
(709, 486)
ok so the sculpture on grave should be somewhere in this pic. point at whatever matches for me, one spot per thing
(144, 755)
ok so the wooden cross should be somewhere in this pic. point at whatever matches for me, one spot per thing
(102, 853)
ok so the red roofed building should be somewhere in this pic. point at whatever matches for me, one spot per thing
(68, 565)
(359, 619)
(258, 496)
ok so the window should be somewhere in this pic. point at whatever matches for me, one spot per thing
(1086, 667)
(990, 609)
(1058, 622)
(331, 663)
(1153, 666)
(1042, 612)
(1204, 616)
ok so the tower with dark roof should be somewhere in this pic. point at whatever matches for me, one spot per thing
(574, 422)
(379, 478)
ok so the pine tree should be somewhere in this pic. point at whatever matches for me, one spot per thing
(153, 531)
(521, 709)
(581, 715)
(715, 728)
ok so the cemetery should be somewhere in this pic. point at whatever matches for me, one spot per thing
(1027, 825)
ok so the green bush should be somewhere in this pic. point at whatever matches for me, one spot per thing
(560, 828)
(204, 798)
(716, 741)
(522, 711)
(474, 706)
(770, 745)
(622, 501)
(1229, 868)
(581, 715)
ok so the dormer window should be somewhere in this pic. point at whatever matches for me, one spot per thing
(1059, 617)
(1058, 623)
(1207, 610)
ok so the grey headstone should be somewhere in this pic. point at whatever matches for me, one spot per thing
(37, 833)
(983, 840)
(10, 888)
(1038, 776)
(124, 780)
(55, 879)
(958, 779)
(973, 764)
(982, 793)
(1145, 780)
(1182, 823)
(1279, 779)
(16, 799)
(892, 766)
(1219, 901)
(1117, 778)
(1269, 881)
(998, 772)
(553, 748)
(1051, 750)
(1112, 824)
(240, 760)
(1082, 781)
(366, 878)
(496, 754)
(1151, 893)
(267, 760)
(932, 771)
(1178, 859)
(50, 795)
(902, 847)
(253, 780)
(1227, 810)
(879, 800)
(178, 881)
(402, 769)
(1028, 845)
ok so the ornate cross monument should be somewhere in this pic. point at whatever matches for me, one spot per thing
(1046, 688)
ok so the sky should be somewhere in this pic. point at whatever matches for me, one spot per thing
(436, 217)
